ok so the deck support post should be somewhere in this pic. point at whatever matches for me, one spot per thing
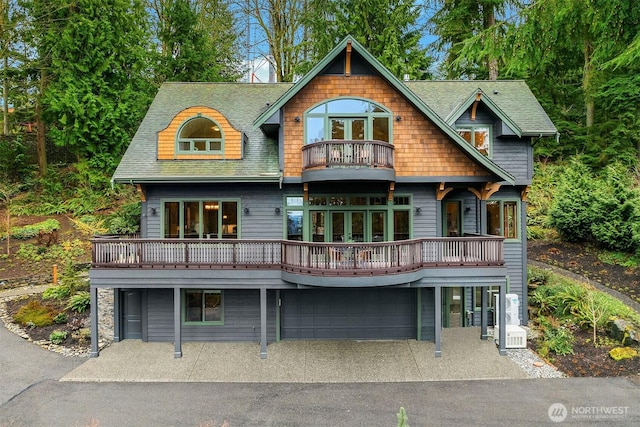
(95, 352)
(263, 323)
(177, 327)
(116, 314)
(483, 313)
(502, 319)
(438, 318)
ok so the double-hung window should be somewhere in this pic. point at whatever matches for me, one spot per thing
(502, 218)
(478, 136)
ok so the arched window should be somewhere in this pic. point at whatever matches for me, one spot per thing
(201, 135)
(348, 119)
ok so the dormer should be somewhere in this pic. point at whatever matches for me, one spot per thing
(200, 133)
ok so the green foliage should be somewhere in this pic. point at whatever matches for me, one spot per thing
(79, 302)
(125, 220)
(60, 252)
(35, 313)
(95, 54)
(58, 337)
(403, 419)
(556, 338)
(603, 208)
(32, 230)
(14, 163)
(60, 318)
(58, 292)
(189, 54)
(392, 37)
(619, 258)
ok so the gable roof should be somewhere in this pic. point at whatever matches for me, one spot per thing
(510, 100)
(400, 87)
(240, 103)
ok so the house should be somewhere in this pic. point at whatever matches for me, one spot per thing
(347, 205)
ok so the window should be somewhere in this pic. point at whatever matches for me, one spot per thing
(200, 135)
(478, 136)
(502, 218)
(347, 119)
(198, 219)
(203, 306)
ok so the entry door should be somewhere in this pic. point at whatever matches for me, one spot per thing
(348, 128)
(132, 315)
(453, 307)
(452, 219)
(348, 226)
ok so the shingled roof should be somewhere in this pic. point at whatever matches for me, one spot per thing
(247, 106)
(512, 97)
(240, 103)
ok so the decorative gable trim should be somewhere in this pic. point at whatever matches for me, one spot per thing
(233, 147)
(400, 88)
(473, 101)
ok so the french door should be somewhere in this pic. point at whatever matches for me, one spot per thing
(348, 226)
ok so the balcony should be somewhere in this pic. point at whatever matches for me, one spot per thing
(347, 160)
(299, 258)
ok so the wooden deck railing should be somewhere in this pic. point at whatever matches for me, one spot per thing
(341, 153)
(301, 257)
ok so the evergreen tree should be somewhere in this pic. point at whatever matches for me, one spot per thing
(388, 29)
(94, 89)
(197, 41)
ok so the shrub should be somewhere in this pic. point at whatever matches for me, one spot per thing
(58, 337)
(556, 338)
(80, 302)
(82, 334)
(56, 292)
(126, 220)
(33, 230)
(60, 318)
(35, 313)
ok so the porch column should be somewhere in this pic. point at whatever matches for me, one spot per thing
(177, 331)
(263, 323)
(94, 322)
(502, 319)
(483, 313)
(438, 319)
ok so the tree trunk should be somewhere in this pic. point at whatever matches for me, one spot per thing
(489, 19)
(587, 78)
(5, 98)
(41, 148)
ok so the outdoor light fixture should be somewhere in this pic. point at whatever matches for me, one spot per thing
(398, 118)
(277, 211)
(153, 211)
(296, 118)
(418, 209)
(246, 210)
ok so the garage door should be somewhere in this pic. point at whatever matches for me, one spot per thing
(348, 314)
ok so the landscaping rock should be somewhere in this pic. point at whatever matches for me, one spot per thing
(624, 331)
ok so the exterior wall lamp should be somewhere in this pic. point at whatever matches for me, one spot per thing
(418, 209)
(246, 210)
(277, 211)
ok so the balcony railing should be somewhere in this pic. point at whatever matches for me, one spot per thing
(339, 153)
(299, 257)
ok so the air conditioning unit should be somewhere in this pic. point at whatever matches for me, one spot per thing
(512, 309)
(516, 337)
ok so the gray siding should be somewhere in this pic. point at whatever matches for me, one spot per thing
(241, 318)
(427, 314)
(510, 153)
(425, 222)
(262, 200)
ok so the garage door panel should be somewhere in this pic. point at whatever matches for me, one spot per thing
(349, 314)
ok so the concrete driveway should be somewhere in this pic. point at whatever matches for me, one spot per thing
(464, 357)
